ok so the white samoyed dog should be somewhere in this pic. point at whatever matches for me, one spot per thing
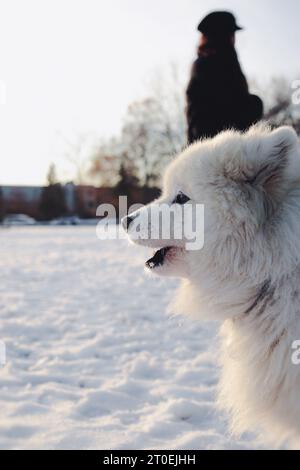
(247, 274)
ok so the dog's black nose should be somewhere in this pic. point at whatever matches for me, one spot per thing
(126, 221)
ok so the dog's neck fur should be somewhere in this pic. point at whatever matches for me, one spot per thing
(258, 379)
(260, 303)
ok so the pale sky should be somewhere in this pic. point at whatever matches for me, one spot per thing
(72, 66)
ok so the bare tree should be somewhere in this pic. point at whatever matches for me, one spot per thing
(76, 151)
(279, 109)
(166, 87)
(105, 162)
(51, 175)
(278, 100)
(154, 127)
(53, 201)
(141, 136)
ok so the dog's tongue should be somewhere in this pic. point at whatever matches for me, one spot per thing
(158, 258)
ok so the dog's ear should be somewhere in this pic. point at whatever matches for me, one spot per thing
(260, 173)
(276, 164)
(271, 173)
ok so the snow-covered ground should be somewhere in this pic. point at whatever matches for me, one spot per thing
(93, 360)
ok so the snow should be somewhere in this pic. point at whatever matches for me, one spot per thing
(93, 359)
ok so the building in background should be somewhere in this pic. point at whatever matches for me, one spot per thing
(70, 198)
(80, 200)
(21, 200)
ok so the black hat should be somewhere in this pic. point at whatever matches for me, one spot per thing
(218, 23)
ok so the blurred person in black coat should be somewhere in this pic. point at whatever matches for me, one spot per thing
(217, 94)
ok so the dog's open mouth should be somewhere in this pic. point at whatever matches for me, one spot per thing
(158, 258)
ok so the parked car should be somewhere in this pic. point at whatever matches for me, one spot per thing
(18, 220)
(68, 220)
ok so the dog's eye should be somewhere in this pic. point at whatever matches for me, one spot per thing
(181, 199)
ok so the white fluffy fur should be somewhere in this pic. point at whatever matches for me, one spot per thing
(248, 273)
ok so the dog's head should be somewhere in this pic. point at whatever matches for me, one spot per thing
(240, 179)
